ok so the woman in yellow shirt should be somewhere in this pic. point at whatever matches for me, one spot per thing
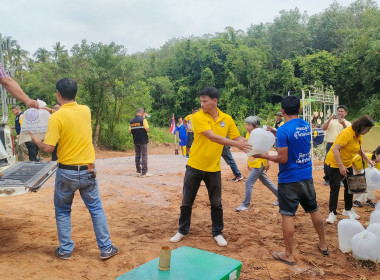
(358, 167)
(339, 163)
(258, 167)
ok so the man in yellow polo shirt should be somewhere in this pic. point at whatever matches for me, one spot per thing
(210, 126)
(70, 126)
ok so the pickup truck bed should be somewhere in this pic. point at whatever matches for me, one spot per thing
(25, 176)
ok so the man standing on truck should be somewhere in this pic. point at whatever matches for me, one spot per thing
(15, 90)
(70, 126)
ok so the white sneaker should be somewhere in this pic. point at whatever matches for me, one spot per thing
(332, 218)
(241, 208)
(220, 240)
(177, 237)
(147, 175)
(351, 213)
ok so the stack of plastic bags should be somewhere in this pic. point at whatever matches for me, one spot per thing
(364, 243)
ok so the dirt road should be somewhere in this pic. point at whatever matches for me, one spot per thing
(143, 214)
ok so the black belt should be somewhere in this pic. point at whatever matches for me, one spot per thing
(72, 167)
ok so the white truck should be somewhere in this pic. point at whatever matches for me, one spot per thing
(18, 177)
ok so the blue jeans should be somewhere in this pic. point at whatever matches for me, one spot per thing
(66, 183)
(227, 156)
(257, 173)
(191, 183)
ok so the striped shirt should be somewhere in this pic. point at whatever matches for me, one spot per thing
(3, 74)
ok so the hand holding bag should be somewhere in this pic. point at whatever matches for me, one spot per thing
(357, 183)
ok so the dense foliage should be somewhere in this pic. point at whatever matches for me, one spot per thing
(337, 49)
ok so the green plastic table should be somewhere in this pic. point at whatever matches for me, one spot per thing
(188, 263)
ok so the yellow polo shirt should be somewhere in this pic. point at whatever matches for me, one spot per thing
(70, 126)
(189, 120)
(255, 162)
(350, 143)
(205, 154)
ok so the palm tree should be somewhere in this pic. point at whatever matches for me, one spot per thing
(42, 55)
(10, 45)
(58, 49)
(20, 58)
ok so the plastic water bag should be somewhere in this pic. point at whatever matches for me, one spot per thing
(374, 228)
(375, 217)
(372, 177)
(261, 141)
(366, 246)
(347, 228)
(377, 206)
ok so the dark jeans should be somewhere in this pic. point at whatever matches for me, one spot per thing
(227, 156)
(328, 147)
(141, 158)
(32, 151)
(191, 183)
(335, 179)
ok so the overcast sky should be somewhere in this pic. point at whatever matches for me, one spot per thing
(136, 24)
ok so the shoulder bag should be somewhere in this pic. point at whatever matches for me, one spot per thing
(357, 183)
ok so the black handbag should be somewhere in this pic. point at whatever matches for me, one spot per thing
(357, 183)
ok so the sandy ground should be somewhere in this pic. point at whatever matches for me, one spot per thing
(143, 214)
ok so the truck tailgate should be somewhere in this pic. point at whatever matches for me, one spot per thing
(25, 176)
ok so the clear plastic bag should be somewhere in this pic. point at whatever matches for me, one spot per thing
(366, 246)
(375, 217)
(347, 228)
(372, 176)
(261, 141)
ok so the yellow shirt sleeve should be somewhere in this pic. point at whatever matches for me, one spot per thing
(145, 124)
(21, 119)
(233, 132)
(53, 132)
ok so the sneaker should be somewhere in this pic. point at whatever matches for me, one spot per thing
(276, 203)
(237, 178)
(187, 156)
(332, 218)
(110, 253)
(177, 237)
(370, 203)
(146, 175)
(351, 213)
(358, 204)
(63, 256)
(241, 208)
(220, 240)
(326, 183)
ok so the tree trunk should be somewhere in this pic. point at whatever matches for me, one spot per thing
(97, 130)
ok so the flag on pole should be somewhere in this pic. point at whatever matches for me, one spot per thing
(172, 126)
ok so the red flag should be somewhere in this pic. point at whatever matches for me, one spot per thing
(172, 126)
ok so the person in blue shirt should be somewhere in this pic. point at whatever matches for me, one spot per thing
(295, 181)
(181, 128)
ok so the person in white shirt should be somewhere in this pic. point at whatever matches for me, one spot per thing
(335, 124)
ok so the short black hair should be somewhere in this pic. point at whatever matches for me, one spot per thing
(68, 88)
(210, 92)
(291, 105)
(342, 107)
(362, 123)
